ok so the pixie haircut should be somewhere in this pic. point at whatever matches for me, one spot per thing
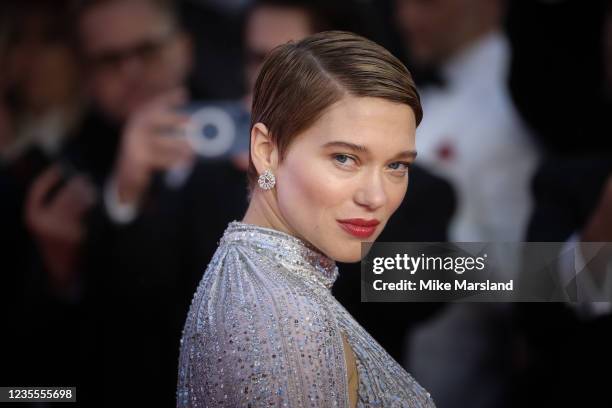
(300, 80)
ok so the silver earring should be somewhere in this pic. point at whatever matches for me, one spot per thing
(266, 180)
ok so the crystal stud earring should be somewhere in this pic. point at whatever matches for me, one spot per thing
(266, 180)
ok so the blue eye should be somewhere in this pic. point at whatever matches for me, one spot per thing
(400, 166)
(343, 158)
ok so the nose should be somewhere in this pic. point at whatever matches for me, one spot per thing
(371, 192)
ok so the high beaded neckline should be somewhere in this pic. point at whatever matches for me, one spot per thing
(295, 253)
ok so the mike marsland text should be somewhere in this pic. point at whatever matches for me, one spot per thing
(438, 285)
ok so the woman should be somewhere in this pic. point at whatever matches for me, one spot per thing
(332, 139)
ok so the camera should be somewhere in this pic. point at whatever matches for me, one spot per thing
(218, 129)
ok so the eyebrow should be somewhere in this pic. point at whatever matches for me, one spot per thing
(359, 148)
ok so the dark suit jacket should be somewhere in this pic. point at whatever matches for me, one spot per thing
(567, 357)
(141, 278)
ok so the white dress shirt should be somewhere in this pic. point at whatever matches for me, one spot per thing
(472, 136)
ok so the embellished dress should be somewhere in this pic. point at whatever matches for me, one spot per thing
(264, 330)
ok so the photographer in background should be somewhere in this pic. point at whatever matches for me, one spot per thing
(151, 236)
(122, 247)
(573, 204)
(472, 136)
(40, 103)
(268, 24)
(134, 74)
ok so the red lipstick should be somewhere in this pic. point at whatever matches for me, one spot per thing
(359, 227)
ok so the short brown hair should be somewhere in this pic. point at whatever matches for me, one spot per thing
(300, 80)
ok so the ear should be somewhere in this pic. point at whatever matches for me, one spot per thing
(263, 151)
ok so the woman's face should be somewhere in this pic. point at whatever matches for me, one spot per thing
(342, 178)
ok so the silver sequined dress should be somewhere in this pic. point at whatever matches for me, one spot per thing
(264, 330)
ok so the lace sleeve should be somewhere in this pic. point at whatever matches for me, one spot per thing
(256, 341)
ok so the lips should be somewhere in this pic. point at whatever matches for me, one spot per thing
(359, 227)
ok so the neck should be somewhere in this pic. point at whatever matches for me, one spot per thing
(264, 212)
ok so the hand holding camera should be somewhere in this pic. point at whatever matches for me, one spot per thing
(153, 140)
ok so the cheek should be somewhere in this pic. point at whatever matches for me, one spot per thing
(107, 96)
(108, 90)
(397, 195)
(172, 66)
(308, 194)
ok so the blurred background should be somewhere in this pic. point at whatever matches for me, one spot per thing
(124, 134)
